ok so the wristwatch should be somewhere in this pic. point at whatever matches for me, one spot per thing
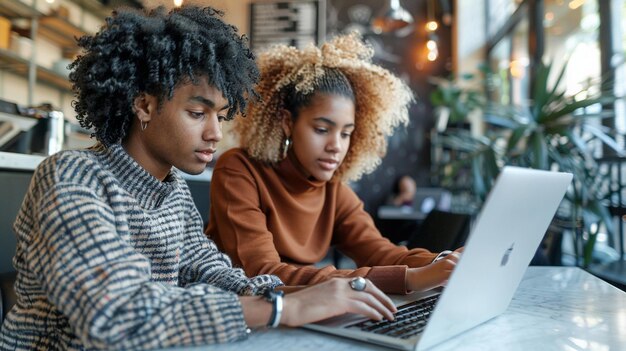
(276, 299)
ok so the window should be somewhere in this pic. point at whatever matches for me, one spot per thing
(571, 37)
(509, 62)
(588, 37)
(620, 76)
(499, 12)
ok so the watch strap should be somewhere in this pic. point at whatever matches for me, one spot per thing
(276, 299)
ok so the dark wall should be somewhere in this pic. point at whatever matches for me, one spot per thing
(409, 148)
(13, 186)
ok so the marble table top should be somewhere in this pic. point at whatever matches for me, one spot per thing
(554, 308)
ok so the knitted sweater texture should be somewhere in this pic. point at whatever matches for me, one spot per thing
(109, 257)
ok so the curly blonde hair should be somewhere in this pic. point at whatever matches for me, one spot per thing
(381, 101)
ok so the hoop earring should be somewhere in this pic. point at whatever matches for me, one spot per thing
(144, 125)
(286, 145)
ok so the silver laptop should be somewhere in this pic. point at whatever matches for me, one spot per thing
(502, 242)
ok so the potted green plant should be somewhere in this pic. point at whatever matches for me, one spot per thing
(553, 131)
(455, 99)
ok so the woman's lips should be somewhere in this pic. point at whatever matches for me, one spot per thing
(328, 164)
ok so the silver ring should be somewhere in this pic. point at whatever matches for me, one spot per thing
(358, 283)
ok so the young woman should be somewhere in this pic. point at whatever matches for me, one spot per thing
(110, 250)
(280, 201)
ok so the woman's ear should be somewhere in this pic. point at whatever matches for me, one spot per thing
(143, 106)
(287, 122)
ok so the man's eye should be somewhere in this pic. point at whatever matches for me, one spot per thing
(196, 114)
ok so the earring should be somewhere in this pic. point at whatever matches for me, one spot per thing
(143, 124)
(286, 147)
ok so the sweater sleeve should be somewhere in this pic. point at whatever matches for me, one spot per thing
(103, 286)
(357, 236)
(202, 262)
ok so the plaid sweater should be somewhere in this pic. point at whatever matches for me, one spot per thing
(109, 257)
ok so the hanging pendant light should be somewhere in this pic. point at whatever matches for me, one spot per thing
(393, 19)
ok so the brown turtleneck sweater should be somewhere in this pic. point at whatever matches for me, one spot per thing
(273, 220)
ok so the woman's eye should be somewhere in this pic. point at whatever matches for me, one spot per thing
(321, 130)
(346, 135)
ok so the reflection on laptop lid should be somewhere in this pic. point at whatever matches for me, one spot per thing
(507, 232)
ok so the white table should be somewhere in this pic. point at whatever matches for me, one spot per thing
(555, 308)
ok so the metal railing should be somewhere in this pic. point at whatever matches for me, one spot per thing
(615, 169)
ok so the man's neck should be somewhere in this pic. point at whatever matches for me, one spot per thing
(142, 156)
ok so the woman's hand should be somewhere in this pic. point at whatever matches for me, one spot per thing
(434, 275)
(332, 298)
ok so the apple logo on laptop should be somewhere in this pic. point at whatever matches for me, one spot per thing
(505, 257)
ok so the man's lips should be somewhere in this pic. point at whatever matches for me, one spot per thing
(205, 155)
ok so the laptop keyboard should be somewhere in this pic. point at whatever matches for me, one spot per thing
(410, 320)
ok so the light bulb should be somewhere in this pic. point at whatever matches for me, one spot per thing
(574, 4)
(432, 55)
(50, 1)
(178, 3)
(432, 26)
(431, 45)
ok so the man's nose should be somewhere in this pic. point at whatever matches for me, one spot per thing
(212, 129)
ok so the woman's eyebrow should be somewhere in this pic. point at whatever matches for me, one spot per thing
(331, 122)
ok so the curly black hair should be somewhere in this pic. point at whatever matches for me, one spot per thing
(153, 52)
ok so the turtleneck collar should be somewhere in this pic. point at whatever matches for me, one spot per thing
(148, 190)
(293, 175)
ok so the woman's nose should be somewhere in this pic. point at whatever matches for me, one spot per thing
(334, 143)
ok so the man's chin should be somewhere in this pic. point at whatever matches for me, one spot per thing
(192, 170)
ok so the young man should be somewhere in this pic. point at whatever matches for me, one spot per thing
(110, 251)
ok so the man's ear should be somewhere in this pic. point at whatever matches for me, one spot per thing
(287, 122)
(144, 105)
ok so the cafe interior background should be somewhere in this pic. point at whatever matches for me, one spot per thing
(535, 83)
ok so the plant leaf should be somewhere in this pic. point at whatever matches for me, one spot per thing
(479, 184)
(539, 150)
(553, 93)
(540, 92)
(515, 137)
(570, 108)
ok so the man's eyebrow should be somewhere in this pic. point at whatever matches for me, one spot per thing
(331, 122)
(207, 102)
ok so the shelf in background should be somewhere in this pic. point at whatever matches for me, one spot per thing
(14, 63)
(17, 9)
(60, 31)
(95, 7)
